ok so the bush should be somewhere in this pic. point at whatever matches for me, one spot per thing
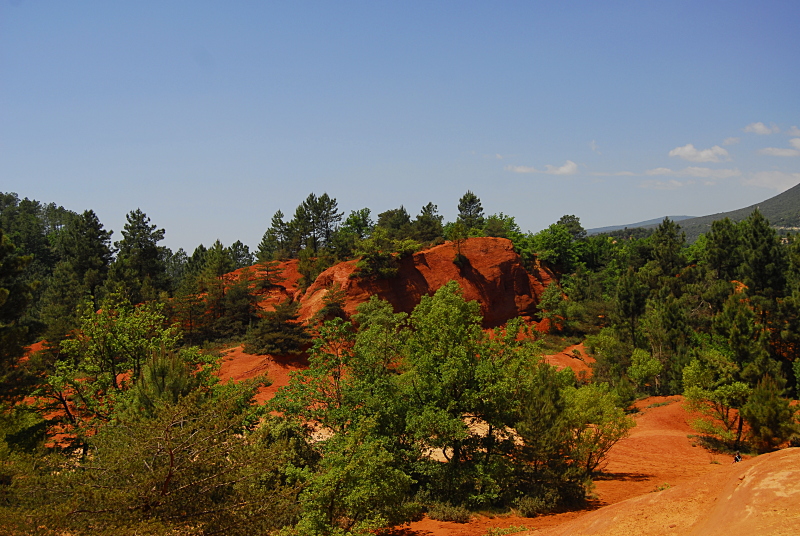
(771, 419)
(533, 506)
(448, 512)
(278, 332)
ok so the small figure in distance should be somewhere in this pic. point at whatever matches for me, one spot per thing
(737, 457)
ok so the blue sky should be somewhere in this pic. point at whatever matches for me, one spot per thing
(210, 116)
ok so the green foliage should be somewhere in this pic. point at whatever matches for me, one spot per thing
(380, 254)
(527, 506)
(427, 227)
(497, 531)
(396, 223)
(198, 465)
(434, 386)
(631, 301)
(597, 422)
(15, 297)
(713, 387)
(332, 304)
(551, 307)
(554, 246)
(278, 332)
(357, 488)
(644, 370)
(771, 419)
(449, 512)
(470, 211)
(139, 270)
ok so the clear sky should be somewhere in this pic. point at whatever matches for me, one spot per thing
(210, 116)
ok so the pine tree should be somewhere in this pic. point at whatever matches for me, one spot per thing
(15, 297)
(140, 267)
(427, 226)
(470, 211)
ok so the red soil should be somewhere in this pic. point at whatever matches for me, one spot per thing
(568, 357)
(238, 365)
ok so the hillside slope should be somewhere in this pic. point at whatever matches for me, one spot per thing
(782, 211)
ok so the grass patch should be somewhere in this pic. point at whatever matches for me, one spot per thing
(505, 530)
(536, 505)
(662, 487)
(553, 344)
(719, 446)
(659, 404)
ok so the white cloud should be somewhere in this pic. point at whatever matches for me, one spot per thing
(663, 185)
(778, 151)
(593, 145)
(699, 172)
(774, 180)
(731, 141)
(614, 174)
(708, 173)
(569, 168)
(782, 151)
(659, 171)
(761, 128)
(794, 131)
(688, 152)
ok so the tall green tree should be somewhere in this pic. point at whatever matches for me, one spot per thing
(140, 267)
(15, 298)
(470, 211)
(396, 222)
(427, 226)
(724, 249)
(274, 244)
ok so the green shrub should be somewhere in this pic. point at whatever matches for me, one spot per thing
(448, 512)
(533, 506)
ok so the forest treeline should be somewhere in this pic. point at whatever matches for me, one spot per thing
(120, 425)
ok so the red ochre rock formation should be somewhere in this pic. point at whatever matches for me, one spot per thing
(492, 274)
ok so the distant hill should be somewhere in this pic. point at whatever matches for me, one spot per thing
(782, 211)
(649, 223)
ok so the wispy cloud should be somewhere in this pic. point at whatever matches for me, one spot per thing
(794, 131)
(778, 151)
(594, 148)
(569, 168)
(783, 151)
(699, 172)
(614, 174)
(731, 141)
(761, 128)
(663, 185)
(774, 180)
(690, 153)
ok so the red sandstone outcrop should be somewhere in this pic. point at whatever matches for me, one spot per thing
(492, 274)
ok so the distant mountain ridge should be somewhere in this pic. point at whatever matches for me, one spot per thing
(782, 211)
(648, 223)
